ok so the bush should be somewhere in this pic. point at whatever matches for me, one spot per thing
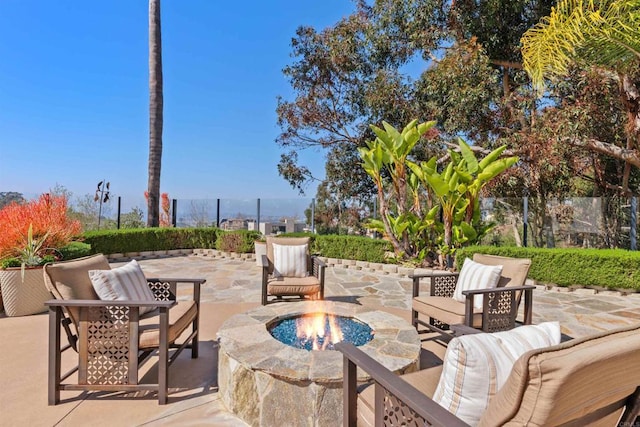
(240, 241)
(352, 247)
(150, 239)
(597, 268)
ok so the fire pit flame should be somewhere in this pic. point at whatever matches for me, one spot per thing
(312, 329)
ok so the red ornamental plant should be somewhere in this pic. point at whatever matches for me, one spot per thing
(165, 209)
(43, 221)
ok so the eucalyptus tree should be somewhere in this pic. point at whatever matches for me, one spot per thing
(156, 104)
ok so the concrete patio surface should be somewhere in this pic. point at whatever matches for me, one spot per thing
(233, 286)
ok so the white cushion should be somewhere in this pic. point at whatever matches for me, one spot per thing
(476, 276)
(125, 283)
(476, 366)
(290, 260)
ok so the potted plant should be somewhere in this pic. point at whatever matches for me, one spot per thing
(31, 234)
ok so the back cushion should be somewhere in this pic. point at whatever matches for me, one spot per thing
(70, 279)
(476, 366)
(558, 385)
(290, 260)
(289, 241)
(475, 276)
(125, 283)
(514, 270)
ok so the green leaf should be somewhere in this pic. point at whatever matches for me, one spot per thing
(469, 157)
(491, 157)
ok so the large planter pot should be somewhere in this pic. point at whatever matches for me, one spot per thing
(20, 297)
(260, 249)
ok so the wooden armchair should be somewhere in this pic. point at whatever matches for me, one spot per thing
(283, 285)
(499, 307)
(110, 337)
(588, 381)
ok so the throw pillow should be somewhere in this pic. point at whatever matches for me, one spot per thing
(476, 276)
(122, 283)
(290, 260)
(476, 366)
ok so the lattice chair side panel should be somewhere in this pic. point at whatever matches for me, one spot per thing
(397, 413)
(108, 346)
(163, 290)
(500, 311)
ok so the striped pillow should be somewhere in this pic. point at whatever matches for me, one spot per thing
(476, 276)
(477, 365)
(290, 260)
(126, 283)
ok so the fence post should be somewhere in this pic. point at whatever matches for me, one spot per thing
(217, 213)
(258, 216)
(119, 211)
(634, 224)
(525, 220)
(313, 215)
(174, 212)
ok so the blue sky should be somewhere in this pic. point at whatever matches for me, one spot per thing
(74, 95)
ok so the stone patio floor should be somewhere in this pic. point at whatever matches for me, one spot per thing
(233, 286)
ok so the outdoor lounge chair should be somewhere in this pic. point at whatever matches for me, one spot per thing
(111, 338)
(290, 271)
(499, 305)
(588, 381)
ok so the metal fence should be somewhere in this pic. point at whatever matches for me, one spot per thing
(587, 222)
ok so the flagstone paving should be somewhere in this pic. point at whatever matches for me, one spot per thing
(580, 312)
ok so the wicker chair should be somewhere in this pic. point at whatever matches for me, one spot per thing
(285, 287)
(110, 337)
(589, 381)
(500, 305)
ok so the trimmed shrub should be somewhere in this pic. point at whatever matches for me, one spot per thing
(150, 239)
(351, 247)
(240, 241)
(597, 268)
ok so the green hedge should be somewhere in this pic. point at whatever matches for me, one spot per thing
(240, 241)
(150, 239)
(597, 268)
(348, 247)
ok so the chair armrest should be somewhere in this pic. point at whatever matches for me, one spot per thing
(391, 386)
(101, 303)
(498, 290)
(461, 329)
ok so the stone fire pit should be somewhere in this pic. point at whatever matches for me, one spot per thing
(268, 383)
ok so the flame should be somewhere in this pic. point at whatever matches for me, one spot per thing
(313, 329)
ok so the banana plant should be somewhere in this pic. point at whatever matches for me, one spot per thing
(457, 189)
(386, 156)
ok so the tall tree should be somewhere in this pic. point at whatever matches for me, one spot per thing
(155, 114)
(605, 36)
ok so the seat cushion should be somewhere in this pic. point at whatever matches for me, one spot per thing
(476, 366)
(281, 286)
(180, 317)
(445, 309)
(561, 384)
(425, 381)
(474, 276)
(125, 283)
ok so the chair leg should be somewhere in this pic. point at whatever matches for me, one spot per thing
(55, 317)
(163, 362)
(195, 340)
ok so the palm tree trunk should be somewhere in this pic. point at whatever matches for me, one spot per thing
(155, 114)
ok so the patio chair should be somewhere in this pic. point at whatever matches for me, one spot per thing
(589, 381)
(290, 271)
(498, 309)
(112, 339)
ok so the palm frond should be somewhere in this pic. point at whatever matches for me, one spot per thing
(599, 32)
